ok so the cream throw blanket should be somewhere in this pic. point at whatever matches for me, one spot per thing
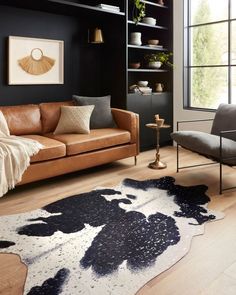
(15, 153)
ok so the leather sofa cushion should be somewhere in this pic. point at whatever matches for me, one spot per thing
(52, 149)
(23, 119)
(95, 140)
(50, 114)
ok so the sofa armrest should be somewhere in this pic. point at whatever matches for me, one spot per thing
(128, 121)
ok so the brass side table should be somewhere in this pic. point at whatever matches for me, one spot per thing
(157, 164)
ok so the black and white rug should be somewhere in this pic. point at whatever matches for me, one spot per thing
(107, 241)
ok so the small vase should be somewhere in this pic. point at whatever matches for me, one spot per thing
(154, 64)
(135, 38)
(159, 87)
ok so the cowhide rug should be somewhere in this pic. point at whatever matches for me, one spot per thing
(109, 240)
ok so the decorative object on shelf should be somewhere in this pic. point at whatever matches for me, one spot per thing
(154, 64)
(153, 42)
(155, 60)
(109, 7)
(159, 87)
(138, 11)
(35, 61)
(159, 121)
(135, 38)
(160, 2)
(134, 65)
(143, 83)
(134, 89)
(96, 36)
(159, 124)
(149, 21)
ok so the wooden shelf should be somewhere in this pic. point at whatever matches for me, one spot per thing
(146, 47)
(154, 4)
(147, 70)
(141, 24)
(153, 93)
(84, 6)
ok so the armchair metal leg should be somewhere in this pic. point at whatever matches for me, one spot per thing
(221, 165)
(177, 150)
(221, 179)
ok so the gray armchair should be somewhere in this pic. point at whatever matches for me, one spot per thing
(219, 145)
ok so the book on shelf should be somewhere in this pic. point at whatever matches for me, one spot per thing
(145, 90)
(141, 90)
(109, 7)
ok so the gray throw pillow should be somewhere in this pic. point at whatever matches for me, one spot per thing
(101, 116)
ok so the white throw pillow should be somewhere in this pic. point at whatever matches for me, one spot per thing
(4, 130)
(74, 119)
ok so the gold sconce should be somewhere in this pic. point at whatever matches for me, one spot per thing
(96, 37)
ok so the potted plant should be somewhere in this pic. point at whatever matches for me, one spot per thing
(156, 60)
(138, 11)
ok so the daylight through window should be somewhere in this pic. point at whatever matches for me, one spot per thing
(210, 53)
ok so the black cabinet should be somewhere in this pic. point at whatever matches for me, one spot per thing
(147, 106)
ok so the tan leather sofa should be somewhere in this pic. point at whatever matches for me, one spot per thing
(70, 152)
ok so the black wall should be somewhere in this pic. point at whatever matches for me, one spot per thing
(78, 55)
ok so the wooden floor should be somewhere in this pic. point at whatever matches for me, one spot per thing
(208, 268)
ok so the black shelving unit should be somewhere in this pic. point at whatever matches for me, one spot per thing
(156, 103)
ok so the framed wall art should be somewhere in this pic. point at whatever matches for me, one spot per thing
(35, 61)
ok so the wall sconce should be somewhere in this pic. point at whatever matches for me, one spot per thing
(96, 36)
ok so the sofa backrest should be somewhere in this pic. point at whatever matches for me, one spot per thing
(23, 119)
(225, 119)
(50, 114)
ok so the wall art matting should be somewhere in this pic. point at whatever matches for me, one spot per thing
(35, 61)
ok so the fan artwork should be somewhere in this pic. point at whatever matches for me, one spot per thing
(36, 63)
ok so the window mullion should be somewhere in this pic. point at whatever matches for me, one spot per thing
(229, 54)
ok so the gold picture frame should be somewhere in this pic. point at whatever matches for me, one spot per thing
(35, 61)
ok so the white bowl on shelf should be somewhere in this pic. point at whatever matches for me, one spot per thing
(149, 21)
(153, 41)
(143, 83)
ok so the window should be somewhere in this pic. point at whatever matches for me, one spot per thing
(210, 53)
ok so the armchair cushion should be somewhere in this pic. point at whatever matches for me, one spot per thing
(225, 119)
(206, 144)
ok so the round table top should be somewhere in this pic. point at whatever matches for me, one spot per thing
(154, 126)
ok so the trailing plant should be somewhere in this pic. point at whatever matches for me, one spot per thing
(162, 57)
(138, 11)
